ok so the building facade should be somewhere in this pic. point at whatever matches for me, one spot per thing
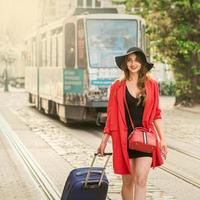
(50, 10)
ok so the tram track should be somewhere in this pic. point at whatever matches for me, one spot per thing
(169, 169)
(183, 152)
(189, 179)
(47, 188)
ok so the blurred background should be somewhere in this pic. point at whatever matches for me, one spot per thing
(171, 39)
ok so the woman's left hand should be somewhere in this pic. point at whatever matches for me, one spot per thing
(163, 147)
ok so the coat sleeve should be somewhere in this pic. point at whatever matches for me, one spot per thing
(158, 110)
(107, 129)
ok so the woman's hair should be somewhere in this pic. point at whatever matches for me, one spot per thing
(143, 76)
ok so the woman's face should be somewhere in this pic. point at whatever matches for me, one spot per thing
(132, 64)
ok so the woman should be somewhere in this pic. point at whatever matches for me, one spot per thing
(142, 97)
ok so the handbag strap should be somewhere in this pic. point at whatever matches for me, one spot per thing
(128, 111)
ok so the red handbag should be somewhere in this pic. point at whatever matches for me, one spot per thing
(140, 138)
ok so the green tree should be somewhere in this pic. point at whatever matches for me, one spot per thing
(173, 27)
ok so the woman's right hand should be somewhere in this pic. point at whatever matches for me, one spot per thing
(101, 148)
(103, 144)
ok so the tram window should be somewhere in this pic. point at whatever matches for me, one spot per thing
(53, 50)
(80, 3)
(33, 53)
(60, 49)
(48, 52)
(81, 56)
(28, 55)
(44, 51)
(70, 45)
(108, 38)
(97, 3)
(89, 3)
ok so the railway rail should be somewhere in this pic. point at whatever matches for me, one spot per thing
(98, 133)
(186, 178)
(47, 188)
(189, 179)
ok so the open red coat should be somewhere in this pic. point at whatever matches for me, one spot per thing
(116, 123)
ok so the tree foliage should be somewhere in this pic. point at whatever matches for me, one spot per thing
(173, 27)
(8, 56)
(8, 53)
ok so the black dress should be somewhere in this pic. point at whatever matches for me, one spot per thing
(136, 112)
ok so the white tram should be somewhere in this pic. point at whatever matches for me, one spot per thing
(70, 63)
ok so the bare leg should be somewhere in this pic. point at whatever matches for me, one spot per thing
(128, 184)
(142, 167)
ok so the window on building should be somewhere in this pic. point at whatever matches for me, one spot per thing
(89, 3)
(70, 45)
(97, 3)
(80, 3)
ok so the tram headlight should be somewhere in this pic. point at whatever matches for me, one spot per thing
(100, 94)
(93, 94)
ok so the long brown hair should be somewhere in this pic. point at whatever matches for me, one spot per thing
(143, 76)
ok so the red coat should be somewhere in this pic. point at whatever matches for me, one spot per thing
(116, 123)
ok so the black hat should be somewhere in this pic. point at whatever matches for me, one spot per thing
(120, 59)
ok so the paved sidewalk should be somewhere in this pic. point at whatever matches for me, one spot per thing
(195, 109)
(167, 103)
(15, 181)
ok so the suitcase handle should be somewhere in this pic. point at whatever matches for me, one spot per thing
(92, 171)
(103, 170)
(105, 154)
(91, 184)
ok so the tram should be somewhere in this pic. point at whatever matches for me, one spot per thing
(70, 63)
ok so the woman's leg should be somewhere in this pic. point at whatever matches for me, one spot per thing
(142, 167)
(128, 184)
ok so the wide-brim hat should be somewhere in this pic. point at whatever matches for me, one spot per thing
(120, 60)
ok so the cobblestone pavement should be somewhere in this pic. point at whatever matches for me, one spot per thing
(183, 126)
(69, 147)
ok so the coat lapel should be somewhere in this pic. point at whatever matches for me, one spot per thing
(122, 122)
(120, 100)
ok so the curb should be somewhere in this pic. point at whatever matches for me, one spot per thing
(195, 110)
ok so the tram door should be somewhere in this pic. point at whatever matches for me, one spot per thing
(81, 45)
(70, 45)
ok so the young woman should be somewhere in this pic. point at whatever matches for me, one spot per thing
(142, 97)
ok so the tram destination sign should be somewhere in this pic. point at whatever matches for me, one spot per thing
(73, 81)
(102, 82)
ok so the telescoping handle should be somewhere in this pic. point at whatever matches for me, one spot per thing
(103, 171)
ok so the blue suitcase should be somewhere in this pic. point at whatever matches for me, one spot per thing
(89, 183)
